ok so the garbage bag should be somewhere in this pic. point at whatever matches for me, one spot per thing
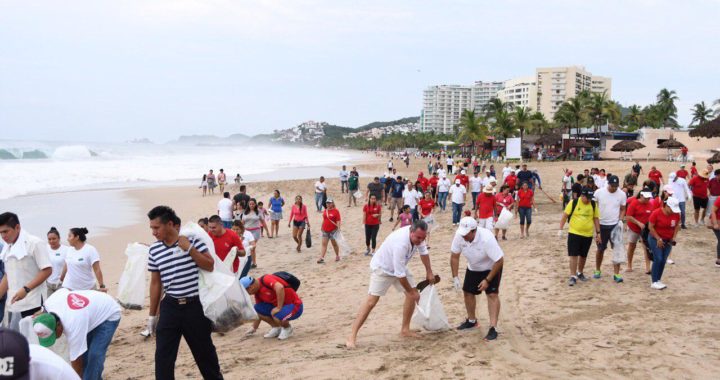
(61, 344)
(308, 238)
(13, 320)
(225, 303)
(358, 194)
(133, 288)
(618, 247)
(343, 245)
(429, 312)
(230, 258)
(504, 219)
(431, 222)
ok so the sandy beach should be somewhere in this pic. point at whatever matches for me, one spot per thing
(547, 330)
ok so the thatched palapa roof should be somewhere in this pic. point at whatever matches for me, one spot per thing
(627, 146)
(671, 144)
(714, 159)
(709, 129)
(581, 144)
(549, 139)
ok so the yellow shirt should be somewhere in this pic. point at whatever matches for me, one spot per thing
(582, 221)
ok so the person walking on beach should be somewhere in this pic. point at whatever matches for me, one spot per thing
(715, 226)
(57, 253)
(204, 184)
(567, 184)
(503, 200)
(612, 204)
(276, 204)
(682, 192)
(449, 162)
(299, 219)
(699, 186)
(410, 199)
(372, 216)
(664, 225)
(443, 190)
(526, 202)
(637, 216)
(344, 175)
(476, 184)
(656, 176)
(222, 181)
(240, 200)
(388, 267)
(248, 243)
(238, 180)
(426, 206)
(224, 240)
(354, 186)
(253, 223)
(82, 264)
(330, 229)
(583, 217)
(396, 197)
(276, 303)
(375, 188)
(320, 193)
(211, 182)
(225, 210)
(27, 267)
(181, 313)
(483, 272)
(457, 192)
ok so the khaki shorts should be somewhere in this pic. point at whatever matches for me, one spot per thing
(486, 223)
(396, 203)
(380, 282)
(633, 237)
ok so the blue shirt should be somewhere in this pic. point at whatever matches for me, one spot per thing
(397, 189)
(276, 204)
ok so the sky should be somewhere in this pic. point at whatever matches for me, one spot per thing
(117, 70)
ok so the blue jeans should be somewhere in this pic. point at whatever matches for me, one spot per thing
(318, 201)
(442, 199)
(246, 269)
(682, 213)
(525, 215)
(474, 198)
(660, 256)
(98, 341)
(457, 211)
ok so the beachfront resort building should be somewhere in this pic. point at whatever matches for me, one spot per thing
(555, 85)
(443, 105)
(520, 92)
(483, 92)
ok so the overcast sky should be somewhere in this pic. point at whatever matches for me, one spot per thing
(116, 70)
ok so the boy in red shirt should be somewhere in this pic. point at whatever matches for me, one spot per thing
(224, 240)
(699, 186)
(276, 304)
(637, 216)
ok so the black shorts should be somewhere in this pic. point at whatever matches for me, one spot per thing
(473, 280)
(699, 203)
(579, 245)
(605, 232)
(300, 224)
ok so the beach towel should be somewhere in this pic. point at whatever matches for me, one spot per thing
(133, 288)
(429, 312)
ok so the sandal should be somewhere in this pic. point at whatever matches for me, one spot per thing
(321, 261)
(337, 258)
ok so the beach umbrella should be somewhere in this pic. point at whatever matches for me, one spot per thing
(671, 144)
(709, 129)
(714, 159)
(627, 146)
(581, 144)
(549, 139)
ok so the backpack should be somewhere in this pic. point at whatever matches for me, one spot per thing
(291, 281)
(574, 204)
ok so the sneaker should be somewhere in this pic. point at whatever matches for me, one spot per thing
(321, 261)
(617, 278)
(367, 252)
(657, 285)
(597, 274)
(581, 276)
(662, 286)
(285, 333)
(253, 266)
(683, 227)
(669, 261)
(717, 263)
(572, 281)
(273, 333)
(467, 325)
(492, 334)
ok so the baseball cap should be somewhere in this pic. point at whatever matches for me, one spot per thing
(467, 224)
(457, 181)
(44, 326)
(674, 204)
(586, 191)
(668, 189)
(15, 353)
(646, 193)
(246, 281)
(329, 200)
(613, 180)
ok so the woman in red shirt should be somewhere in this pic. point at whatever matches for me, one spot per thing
(664, 225)
(372, 214)
(299, 220)
(699, 186)
(426, 206)
(715, 226)
(637, 216)
(503, 199)
(330, 228)
(526, 201)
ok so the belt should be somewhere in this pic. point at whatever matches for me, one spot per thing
(182, 301)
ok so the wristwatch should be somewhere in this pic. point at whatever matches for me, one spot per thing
(102, 286)
(27, 290)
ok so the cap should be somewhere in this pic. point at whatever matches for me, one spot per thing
(668, 189)
(457, 181)
(44, 326)
(586, 191)
(246, 281)
(488, 189)
(674, 204)
(462, 171)
(613, 180)
(329, 200)
(467, 224)
(15, 354)
(672, 175)
(682, 166)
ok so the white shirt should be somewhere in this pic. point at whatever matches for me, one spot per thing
(457, 194)
(487, 180)
(80, 312)
(57, 260)
(47, 365)
(225, 209)
(80, 275)
(600, 182)
(19, 272)
(449, 161)
(444, 185)
(320, 187)
(247, 240)
(411, 197)
(481, 254)
(609, 204)
(476, 184)
(567, 182)
(441, 172)
(506, 171)
(681, 191)
(344, 174)
(395, 252)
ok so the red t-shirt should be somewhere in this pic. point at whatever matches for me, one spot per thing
(699, 186)
(511, 181)
(485, 204)
(693, 171)
(424, 183)
(641, 212)
(434, 181)
(505, 200)
(682, 173)
(655, 176)
(717, 206)
(330, 217)
(664, 224)
(631, 200)
(464, 180)
(426, 206)
(223, 244)
(714, 186)
(370, 220)
(525, 198)
(267, 294)
(656, 203)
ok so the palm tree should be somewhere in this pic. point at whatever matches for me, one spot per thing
(471, 128)
(572, 113)
(701, 114)
(494, 106)
(716, 103)
(635, 118)
(503, 124)
(599, 109)
(522, 118)
(667, 108)
(539, 125)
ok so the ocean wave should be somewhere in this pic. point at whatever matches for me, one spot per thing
(73, 152)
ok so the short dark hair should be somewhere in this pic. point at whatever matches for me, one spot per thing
(226, 194)
(9, 219)
(419, 225)
(165, 213)
(215, 219)
(203, 221)
(80, 232)
(717, 172)
(242, 187)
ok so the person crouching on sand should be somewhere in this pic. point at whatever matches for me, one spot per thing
(276, 304)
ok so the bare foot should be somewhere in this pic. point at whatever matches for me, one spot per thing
(410, 334)
(628, 270)
(349, 344)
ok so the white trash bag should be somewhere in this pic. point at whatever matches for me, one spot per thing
(504, 219)
(133, 288)
(61, 344)
(224, 301)
(343, 245)
(429, 312)
(431, 222)
(358, 194)
(230, 258)
(619, 252)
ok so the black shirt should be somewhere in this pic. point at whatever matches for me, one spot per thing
(524, 176)
(636, 168)
(241, 199)
(576, 189)
(376, 189)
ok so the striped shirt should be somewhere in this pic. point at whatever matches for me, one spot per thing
(178, 272)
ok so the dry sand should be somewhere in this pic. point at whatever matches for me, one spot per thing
(547, 330)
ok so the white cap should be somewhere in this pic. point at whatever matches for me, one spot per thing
(674, 204)
(672, 175)
(467, 224)
(457, 181)
(646, 194)
(462, 171)
(668, 189)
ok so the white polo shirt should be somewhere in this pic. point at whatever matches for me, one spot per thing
(482, 253)
(609, 204)
(457, 194)
(476, 184)
(34, 257)
(80, 274)
(444, 185)
(410, 198)
(225, 209)
(395, 252)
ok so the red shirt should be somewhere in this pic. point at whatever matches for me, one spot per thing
(631, 200)
(424, 183)
(664, 224)
(464, 180)
(505, 200)
(298, 214)
(485, 205)
(699, 187)
(656, 203)
(426, 206)
(717, 206)
(266, 293)
(330, 217)
(641, 212)
(693, 171)
(525, 198)
(682, 173)
(714, 186)
(370, 220)
(511, 181)
(655, 176)
(223, 244)
(434, 181)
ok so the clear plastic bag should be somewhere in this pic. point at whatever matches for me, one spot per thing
(504, 219)
(133, 288)
(225, 302)
(230, 258)
(429, 312)
(358, 194)
(343, 245)
(431, 222)
(619, 252)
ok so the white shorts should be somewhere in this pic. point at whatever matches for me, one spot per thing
(486, 223)
(633, 237)
(380, 282)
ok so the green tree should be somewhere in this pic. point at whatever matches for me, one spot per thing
(701, 114)
(666, 108)
(522, 118)
(471, 128)
(635, 118)
(539, 125)
(503, 124)
(572, 114)
(600, 110)
(493, 107)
